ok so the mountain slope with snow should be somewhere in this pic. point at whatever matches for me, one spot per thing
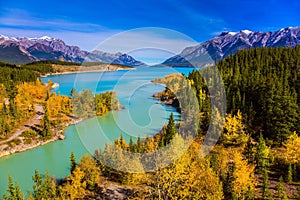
(228, 43)
(24, 50)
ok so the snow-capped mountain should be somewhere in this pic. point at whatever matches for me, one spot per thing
(23, 50)
(117, 58)
(228, 43)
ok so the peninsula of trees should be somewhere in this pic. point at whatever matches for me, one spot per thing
(31, 113)
(256, 157)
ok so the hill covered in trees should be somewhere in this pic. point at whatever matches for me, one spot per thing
(31, 113)
(265, 85)
(256, 157)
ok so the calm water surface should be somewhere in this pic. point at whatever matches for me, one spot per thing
(141, 117)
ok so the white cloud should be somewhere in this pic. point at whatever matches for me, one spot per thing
(151, 45)
(147, 38)
(90, 36)
(148, 44)
(22, 19)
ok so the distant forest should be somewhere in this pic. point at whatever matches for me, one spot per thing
(256, 157)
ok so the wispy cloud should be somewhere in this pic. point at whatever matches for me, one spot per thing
(146, 44)
(16, 18)
(150, 44)
(203, 23)
(111, 40)
(20, 23)
(147, 38)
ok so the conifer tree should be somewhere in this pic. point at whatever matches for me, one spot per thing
(46, 132)
(262, 155)
(170, 130)
(11, 189)
(73, 92)
(265, 188)
(228, 182)
(131, 145)
(72, 162)
(37, 179)
(139, 145)
(249, 152)
(43, 188)
(281, 189)
(19, 193)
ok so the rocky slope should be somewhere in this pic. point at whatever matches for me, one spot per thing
(228, 43)
(24, 50)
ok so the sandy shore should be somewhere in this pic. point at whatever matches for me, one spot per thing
(85, 71)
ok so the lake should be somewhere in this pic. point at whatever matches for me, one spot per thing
(142, 117)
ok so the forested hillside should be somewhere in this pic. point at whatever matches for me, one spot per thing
(265, 85)
(256, 157)
(30, 112)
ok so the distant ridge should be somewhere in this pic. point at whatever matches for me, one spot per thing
(228, 43)
(24, 50)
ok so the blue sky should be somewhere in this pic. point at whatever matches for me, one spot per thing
(86, 23)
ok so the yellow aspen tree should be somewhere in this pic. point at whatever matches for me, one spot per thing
(234, 129)
(91, 172)
(75, 186)
(292, 145)
(243, 174)
(189, 177)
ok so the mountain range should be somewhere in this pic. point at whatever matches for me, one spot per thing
(25, 50)
(228, 43)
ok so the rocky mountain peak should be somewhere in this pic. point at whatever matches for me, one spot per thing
(228, 43)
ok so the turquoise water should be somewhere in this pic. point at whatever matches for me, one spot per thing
(141, 117)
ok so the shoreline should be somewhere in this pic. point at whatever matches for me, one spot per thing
(85, 71)
(25, 147)
(7, 151)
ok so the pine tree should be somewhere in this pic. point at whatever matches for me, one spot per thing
(49, 187)
(170, 130)
(73, 92)
(131, 145)
(46, 132)
(139, 148)
(249, 153)
(249, 194)
(281, 189)
(19, 193)
(14, 191)
(262, 155)
(228, 182)
(37, 179)
(265, 188)
(43, 188)
(11, 189)
(122, 142)
(72, 162)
